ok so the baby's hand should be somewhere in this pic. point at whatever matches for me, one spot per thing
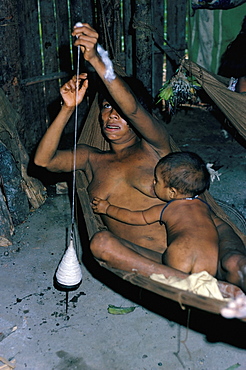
(99, 205)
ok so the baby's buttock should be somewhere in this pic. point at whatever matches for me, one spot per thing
(192, 256)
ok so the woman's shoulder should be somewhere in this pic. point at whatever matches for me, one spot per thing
(90, 149)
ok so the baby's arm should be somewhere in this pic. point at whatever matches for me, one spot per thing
(148, 216)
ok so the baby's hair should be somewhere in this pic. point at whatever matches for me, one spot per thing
(185, 171)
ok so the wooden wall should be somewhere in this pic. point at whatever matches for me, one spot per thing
(36, 56)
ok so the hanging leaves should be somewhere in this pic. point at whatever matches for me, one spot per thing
(180, 89)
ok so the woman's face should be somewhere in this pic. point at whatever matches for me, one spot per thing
(113, 125)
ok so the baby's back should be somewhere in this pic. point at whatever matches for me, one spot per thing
(191, 236)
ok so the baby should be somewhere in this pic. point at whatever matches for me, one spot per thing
(192, 239)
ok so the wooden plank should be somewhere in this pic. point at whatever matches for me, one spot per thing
(104, 25)
(49, 31)
(31, 65)
(10, 53)
(176, 22)
(29, 39)
(117, 30)
(127, 31)
(143, 41)
(82, 11)
(158, 40)
(183, 297)
(19, 57)
(50, 57)
(63, 39)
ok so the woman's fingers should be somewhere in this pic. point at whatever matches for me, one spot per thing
(86, 37)
(72, 84)
(85, 30)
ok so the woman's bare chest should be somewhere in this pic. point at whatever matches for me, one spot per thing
(113, 177)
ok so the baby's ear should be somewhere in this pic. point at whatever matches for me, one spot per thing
(173, 193)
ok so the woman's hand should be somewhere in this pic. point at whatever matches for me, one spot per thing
(68, 90)
(99, 205)
(86, 38)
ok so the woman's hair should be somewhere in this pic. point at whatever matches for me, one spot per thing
(184, 171)
(233, 61)
(136, 86)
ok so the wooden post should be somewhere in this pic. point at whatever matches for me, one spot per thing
(34, 112)
(143, 42)
(50, 61)
(82, 11)
(10, 53)
(109, 26)
(127, 16)
(158, 39)
(176, 21)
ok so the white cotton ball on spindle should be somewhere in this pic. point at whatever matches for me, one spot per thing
(69, 271)
(79, 24)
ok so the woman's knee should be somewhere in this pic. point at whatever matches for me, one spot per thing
(100, 243)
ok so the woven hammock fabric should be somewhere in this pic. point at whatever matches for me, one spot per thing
(231, 103)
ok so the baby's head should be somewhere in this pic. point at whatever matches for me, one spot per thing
(185, 172)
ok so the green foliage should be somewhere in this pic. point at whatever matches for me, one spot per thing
(180, 89)
(114, 310)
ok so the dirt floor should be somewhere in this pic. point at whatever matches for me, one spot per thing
(38, 334)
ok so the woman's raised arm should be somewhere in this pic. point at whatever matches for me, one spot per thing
(151, 129)
(47, 154)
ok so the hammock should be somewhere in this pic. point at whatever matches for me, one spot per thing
(91, 135)
(231, 103)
